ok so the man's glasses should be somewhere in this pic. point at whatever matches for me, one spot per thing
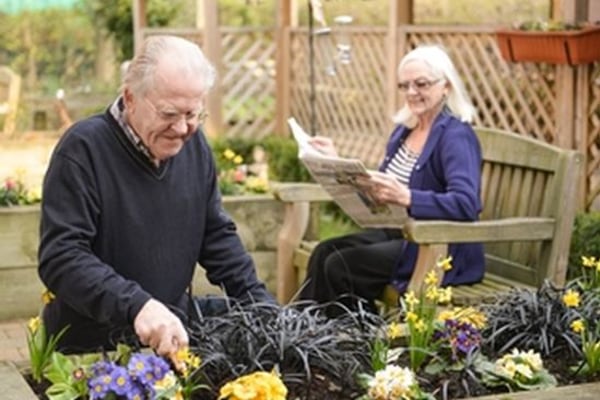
(171, 117)
(418, 85)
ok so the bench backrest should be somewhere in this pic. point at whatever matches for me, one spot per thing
(523, 177)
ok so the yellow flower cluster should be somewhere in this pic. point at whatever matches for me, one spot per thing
(187, 361)
(468, 315)
(590, 262)
(571, 298)
(230, 155)
(519, 365)
(47, 297)
(256, 386)
(392, 383)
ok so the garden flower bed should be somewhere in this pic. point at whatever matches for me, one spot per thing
(532, 345)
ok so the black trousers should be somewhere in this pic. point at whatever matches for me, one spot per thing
(352, 267)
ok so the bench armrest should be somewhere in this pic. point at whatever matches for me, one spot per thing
(506, 229)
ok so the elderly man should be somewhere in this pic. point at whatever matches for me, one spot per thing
(131, 203)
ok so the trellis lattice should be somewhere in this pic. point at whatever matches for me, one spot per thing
(350, 104)
(248, 82)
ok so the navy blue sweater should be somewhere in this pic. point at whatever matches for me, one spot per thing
(116, 231)
(445, 184)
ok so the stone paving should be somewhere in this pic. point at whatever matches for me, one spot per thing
(13, 341)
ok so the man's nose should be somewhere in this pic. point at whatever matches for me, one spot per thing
(180, 126)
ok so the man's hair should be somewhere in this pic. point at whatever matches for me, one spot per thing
(441, 66)
(140, 74)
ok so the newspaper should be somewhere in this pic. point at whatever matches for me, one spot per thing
(338, 176)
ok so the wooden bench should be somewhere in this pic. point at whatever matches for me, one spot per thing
(529, 194)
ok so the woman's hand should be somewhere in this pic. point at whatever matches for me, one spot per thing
(385, 188)
(324, 145)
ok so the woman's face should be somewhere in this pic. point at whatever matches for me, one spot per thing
(424, 92)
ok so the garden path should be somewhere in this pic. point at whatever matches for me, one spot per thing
(13, 341)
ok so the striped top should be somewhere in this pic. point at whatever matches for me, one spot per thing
(403, 163)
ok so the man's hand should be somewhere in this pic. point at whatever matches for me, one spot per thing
(160, 329)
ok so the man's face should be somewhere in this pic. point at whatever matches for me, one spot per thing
(169, 113)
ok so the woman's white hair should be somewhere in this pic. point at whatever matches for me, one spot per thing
(140, 73)
(440, 67)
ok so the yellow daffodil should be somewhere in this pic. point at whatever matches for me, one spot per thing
(395, 330)
(238, 160)
(445, 295)
(34, 324)
(431, 279)
(571, 298)
(445, 264)
(588, 262)
(411, 317)
(186, 360)
(47, 297)
(410, 299)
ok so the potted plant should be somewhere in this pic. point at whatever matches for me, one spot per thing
(20, 287)
(550, 42)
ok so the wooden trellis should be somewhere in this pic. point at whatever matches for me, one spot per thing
(353, 106)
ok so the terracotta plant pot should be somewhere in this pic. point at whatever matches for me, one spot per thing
(556, 47)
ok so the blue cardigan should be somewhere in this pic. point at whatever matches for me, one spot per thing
(445, 184)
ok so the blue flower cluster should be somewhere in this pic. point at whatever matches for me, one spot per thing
(135, 381)
(461, 337)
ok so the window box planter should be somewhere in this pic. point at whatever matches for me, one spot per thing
(571, 47)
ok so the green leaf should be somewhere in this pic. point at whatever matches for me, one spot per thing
(62, 391)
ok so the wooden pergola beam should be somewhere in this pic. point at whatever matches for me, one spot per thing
(138, 8)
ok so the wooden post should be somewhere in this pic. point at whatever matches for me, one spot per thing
(139, 23)
(283, 64)
(211, 44)
(401, 12)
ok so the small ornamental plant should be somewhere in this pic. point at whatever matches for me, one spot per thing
(13, 192)
(234, 177)
(590, 347)
(420, 315)
(518, 370)
(590, 273)
(393, 383)
(258, 385)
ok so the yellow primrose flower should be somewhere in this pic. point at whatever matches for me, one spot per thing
(238, 159)
(34, 324)
(395, 330)
(571, 298)
(578, 326)
(445, 263)
(256, 386)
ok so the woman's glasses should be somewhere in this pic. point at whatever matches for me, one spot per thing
(418, 85)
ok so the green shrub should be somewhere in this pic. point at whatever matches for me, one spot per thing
(584, 242)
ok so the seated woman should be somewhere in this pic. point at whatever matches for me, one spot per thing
(432, 166)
